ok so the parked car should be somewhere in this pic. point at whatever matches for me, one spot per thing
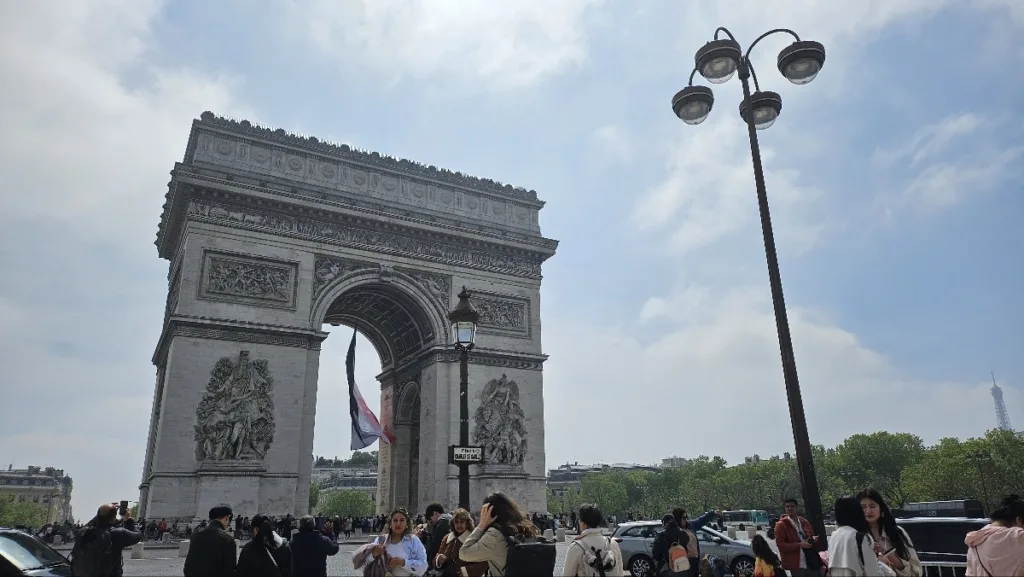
(24, 554)
(940, 542)
(637, 541)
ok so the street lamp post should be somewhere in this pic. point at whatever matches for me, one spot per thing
(800, 62)
(463, 320)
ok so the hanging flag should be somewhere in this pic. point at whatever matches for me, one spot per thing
(365, 427)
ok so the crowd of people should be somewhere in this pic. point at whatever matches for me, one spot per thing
(867, 542)
(503, 541)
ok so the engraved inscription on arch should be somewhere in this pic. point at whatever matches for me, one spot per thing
(249, 280)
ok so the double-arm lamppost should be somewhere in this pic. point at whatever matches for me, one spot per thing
(799, 62)
(463, 319)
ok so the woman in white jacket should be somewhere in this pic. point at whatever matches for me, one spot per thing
(591, 549)
(851, 550)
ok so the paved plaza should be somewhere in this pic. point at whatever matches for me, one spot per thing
(161, 562)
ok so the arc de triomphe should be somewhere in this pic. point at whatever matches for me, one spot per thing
(270, 236)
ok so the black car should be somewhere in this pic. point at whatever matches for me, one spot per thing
(939, 542)
(24, 554)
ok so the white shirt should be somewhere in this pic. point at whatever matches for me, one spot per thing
(844, 559)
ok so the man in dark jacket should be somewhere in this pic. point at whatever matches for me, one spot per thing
(99, 545)
(212, 551)
(439, 525)
(310, 550)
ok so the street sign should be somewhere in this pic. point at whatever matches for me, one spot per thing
(465, 455)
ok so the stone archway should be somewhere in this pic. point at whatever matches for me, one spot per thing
(270, 236)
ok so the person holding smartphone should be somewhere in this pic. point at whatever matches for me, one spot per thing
(892, 544)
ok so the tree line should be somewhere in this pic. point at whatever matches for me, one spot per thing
(899, 465)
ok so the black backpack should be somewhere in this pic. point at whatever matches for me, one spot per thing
(90, 555)
(599, 563)
(532, 557)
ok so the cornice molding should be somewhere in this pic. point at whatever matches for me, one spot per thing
(236, 331)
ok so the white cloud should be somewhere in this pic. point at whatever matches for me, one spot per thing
(500, 45)
(613, 141)
(91, 130)
(709, 192)
(947, 162)
(715, 378)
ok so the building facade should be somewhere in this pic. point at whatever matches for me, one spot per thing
(567, 477)
(346, 479)
(48, 487)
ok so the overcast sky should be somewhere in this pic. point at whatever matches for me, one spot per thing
(895, 182)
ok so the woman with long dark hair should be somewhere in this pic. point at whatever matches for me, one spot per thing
(500, 517)
(892, 544)
(997, 549)
(406, 555)
(766, 562)
(258, 558)
(850, 548)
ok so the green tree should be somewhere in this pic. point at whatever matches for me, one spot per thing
(314, 495)
(878, 460)
(14, 513)
(344, 503)
(564, 502)
(606, 491)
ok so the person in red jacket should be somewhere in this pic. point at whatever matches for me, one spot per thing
(798, 546)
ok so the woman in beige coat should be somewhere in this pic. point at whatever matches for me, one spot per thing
(499, 517)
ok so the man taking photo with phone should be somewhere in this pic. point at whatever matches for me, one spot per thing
(99, 545)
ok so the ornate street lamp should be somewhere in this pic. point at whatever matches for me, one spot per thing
(717, 61)
(463, 320)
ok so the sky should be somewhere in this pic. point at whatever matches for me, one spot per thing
(894, 181)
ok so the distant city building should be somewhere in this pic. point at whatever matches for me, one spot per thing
(568, 476)
(755, 459)
(674, 462)
(48, 487)
(333, 479)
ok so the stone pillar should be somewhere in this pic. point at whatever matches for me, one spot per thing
(240, 454)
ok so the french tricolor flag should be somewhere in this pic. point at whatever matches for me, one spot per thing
(365, 427)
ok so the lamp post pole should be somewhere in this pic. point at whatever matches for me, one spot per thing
(464, 425)
(801, 439)
(463, 319)
(800, 62)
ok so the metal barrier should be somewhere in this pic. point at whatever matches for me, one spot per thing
(943, 568)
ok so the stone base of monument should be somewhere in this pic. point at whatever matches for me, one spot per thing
(237, 484)
(138, 551)
(530, 493)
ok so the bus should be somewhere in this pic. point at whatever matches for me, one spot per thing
(964, 508)
(742, 519)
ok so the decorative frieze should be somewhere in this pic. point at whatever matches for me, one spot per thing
(248, 280)
(312, 165)
(385, 241)
(503, 314)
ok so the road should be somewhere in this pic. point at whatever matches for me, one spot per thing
(165, 562)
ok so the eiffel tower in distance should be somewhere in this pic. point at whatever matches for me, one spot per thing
(1002, 418)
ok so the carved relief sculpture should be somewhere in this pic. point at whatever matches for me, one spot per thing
(500, 313)
(327, 269)
(439, 287)
(249, 280)
(235, 419)
(500, 422)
